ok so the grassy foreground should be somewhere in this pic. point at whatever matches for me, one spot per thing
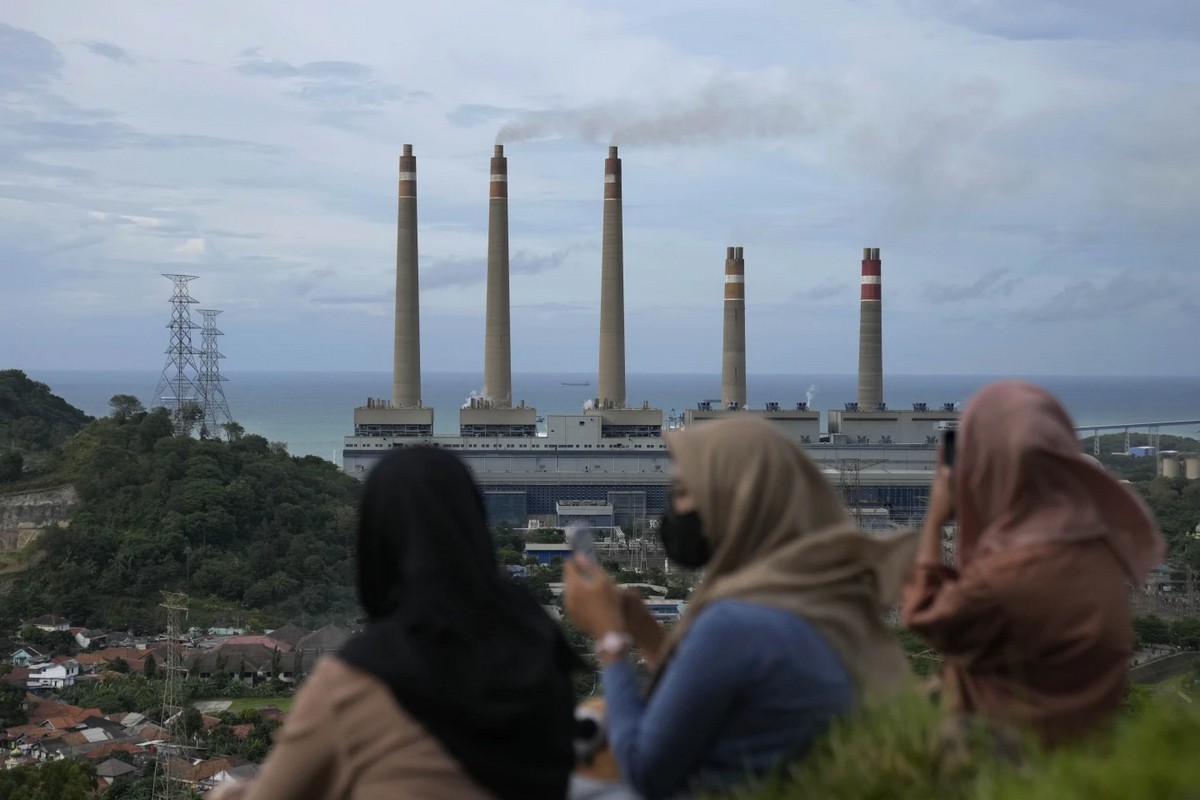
(900, 752)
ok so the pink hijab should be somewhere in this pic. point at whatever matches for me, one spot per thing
(1022, 480)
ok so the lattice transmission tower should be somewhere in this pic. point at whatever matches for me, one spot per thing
(166, 787)
(212, 393)
(177, 389)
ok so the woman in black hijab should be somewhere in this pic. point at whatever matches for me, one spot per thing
(478, 672)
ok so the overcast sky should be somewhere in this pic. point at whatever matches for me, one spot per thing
(1030, 170)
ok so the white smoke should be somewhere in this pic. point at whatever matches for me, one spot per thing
(589, 405)
(476, 394)
(810, 394)
(725, 109)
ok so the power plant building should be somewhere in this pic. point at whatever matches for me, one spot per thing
(610, 460)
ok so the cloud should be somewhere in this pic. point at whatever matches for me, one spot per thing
(194, 249)
(110, 135)
(348, 93)
(472, 114)
(26, 59)
(109, 51)
(1025, 20)
(821, 291)
(470, 271)
(991, 284)
(1124, 295)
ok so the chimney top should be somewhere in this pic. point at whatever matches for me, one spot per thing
(408, 149)
(729, 252)
(499, 150)
(866, 254)
(875, 253)
(612, 151)
(737, 253)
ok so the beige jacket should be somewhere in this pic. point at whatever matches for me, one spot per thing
(348, 738)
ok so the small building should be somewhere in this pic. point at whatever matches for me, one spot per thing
(1141, 452)
(50, 623)
(108, 771)
(545, 553)
(28, 656)
(585, 513)
(54, 676)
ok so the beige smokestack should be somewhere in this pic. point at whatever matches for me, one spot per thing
(497, 353)
(611, 389)
(870, 333)
(406, 366)
(733, 353)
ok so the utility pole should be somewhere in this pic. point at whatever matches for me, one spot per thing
(164, 786)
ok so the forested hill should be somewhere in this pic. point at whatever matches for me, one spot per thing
(239, 525)
(31, 417)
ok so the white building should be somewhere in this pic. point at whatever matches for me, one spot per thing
(54, 676)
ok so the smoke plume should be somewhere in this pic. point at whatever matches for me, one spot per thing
(723, 110)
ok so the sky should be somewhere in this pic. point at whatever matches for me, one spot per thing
(1029, 169)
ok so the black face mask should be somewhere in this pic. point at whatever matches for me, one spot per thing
(683, 539)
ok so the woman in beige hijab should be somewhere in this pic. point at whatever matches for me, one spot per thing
(1034, 622)
(783, 634)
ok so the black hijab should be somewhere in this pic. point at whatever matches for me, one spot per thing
(466, 652)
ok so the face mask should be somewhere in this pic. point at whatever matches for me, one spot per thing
(683, 539)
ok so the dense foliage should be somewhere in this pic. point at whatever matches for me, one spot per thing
(32, 421)
(61, 780)
(909, 750)
(239, 522)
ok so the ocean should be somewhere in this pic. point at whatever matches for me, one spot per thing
(312, 411)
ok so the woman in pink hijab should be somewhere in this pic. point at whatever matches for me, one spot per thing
(1034, 621)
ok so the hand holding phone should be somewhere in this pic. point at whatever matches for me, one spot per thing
(583, 543)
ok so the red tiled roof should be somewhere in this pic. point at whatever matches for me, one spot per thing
(265, 641)
(103, 751)
(17, 675)
(204, 770)
(241, 731)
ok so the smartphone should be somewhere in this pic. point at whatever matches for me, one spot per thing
(949, 440)
(583, 543)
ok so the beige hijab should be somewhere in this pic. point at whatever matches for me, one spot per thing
(781, 537)
(1021, 480)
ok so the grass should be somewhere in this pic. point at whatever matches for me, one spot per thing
(246, 703)
(900, 752)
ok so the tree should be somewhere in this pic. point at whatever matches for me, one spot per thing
(150, 667)
(118, 664)
(1151, 630)
(12, 706)
(233, 431)
(125, 408)
(12, 465)
(191, 722)
(548, 536)
(63, 780)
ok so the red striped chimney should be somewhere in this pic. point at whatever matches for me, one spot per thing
(870, 333)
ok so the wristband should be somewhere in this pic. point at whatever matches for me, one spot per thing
(613, 644)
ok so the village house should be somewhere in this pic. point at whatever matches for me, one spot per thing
(50, 623)
(27, 656)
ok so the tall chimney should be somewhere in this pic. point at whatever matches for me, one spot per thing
(611, 389)
(733, 354)
(870, 333)
(406, 366)
(497, 351)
